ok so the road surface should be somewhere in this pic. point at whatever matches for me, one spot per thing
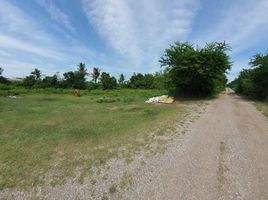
(224, 157)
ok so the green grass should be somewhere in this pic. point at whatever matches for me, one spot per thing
(263, 106)
(47, 137)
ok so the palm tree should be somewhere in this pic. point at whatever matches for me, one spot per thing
(82, 69)
(37, 74)
(95, 74)
(121, 79)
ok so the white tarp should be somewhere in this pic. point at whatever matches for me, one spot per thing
(160, 99)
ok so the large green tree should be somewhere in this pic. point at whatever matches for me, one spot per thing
(76, 79)
(195, 71)
(253, 82)
(107, 81)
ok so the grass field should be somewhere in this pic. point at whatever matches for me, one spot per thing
(57, 134)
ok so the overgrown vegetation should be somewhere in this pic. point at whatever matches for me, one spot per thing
(253, 82)
(196, 71)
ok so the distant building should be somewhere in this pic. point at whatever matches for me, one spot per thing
(16, 79)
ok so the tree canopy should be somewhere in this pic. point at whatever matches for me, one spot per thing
(107, 81)
(76, 79)
(196, 71)
(253, 82)
(95, 74)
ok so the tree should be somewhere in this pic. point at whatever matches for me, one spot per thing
(50, 81)
(259, 77)
(34, 79)
(37, 74)
(76, 79)
(148, 81)
(80, 76)
(121, 79)
(3, 80)
(107, 81)
(196, 71)
(82, 69)
(95, 74)
(69, 79)
(254, 82)
(160, 80)
(29, 81)
(137, 81)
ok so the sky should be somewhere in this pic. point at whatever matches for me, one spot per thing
(123, 36)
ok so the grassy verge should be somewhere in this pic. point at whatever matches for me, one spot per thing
(48, 137)
(263, 106)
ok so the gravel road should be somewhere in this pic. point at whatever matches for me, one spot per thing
(224, 156)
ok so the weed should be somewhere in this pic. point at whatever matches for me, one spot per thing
(112, 189)
(126, 179)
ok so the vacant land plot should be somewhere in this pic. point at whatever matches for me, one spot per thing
(43, 135)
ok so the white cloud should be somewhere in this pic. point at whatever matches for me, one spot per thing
(243, 25)
(25, 40)
(15, 44)
(57, 14)
(140, 30)
(13, 20)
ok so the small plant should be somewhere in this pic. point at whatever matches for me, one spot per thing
(112, 189)
(106, 100)
(104, 198)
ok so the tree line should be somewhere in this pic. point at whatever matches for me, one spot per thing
(253, 82)
(78, 79)
(188, 70)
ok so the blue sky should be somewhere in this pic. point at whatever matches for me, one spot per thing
(123, 36)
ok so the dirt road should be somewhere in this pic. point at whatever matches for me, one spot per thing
(224, 156)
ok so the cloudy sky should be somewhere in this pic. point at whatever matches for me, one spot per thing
(123, 36)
